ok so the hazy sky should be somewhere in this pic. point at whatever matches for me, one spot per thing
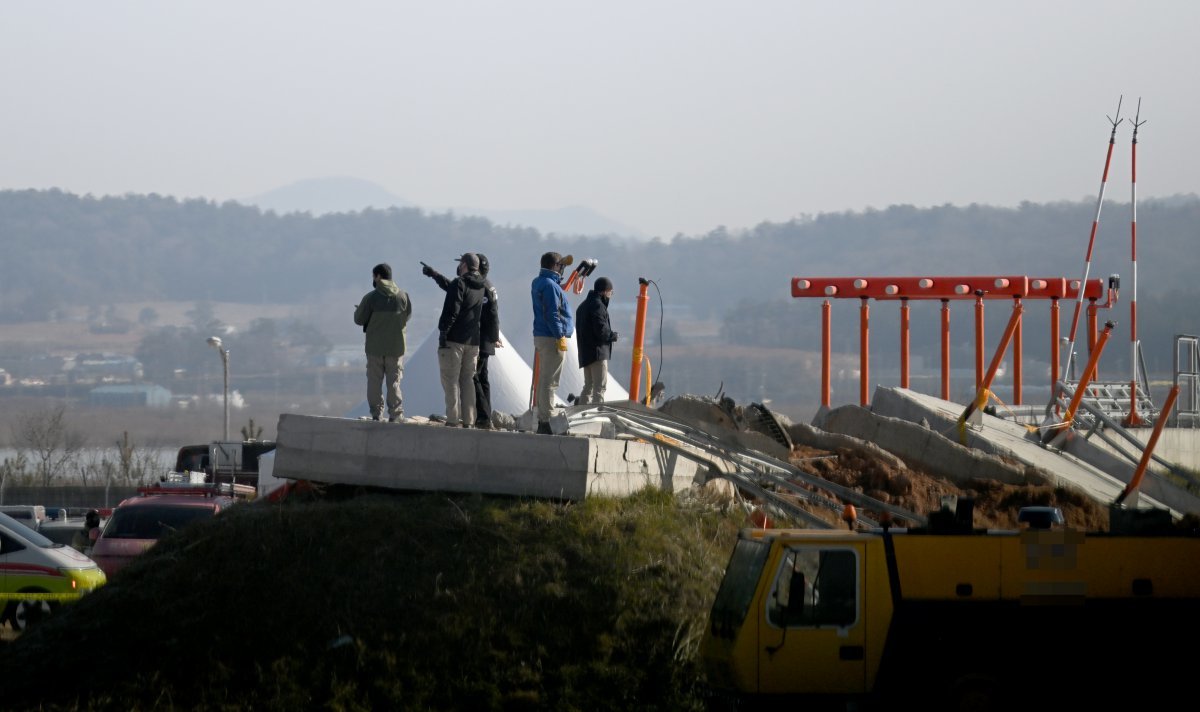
(673, 116)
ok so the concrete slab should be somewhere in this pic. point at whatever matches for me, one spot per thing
(414, 456)
(1011, 440)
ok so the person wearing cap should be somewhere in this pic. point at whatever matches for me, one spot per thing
(552, 326)
(489, 338)
(383, 314)
(596, 338)
(458, 340)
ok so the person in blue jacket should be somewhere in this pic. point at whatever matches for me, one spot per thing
(552, 326)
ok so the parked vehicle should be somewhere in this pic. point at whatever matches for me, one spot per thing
(234, 461)
(139, 522)
(37, 575)
(957, 616)
(31, 515)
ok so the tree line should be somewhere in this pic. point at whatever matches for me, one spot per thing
(64, 249)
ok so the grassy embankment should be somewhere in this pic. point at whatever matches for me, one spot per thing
(395, 602)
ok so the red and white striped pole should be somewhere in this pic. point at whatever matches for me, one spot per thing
(1087, 264)
(1134, 419)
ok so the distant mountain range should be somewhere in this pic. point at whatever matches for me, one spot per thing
(319, 196)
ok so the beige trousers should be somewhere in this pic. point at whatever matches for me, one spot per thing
(550, 365)
(457, 365)
(384, 371)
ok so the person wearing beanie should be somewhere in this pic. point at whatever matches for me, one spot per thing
(552, 326)
(383, 314)
(596, 338)
(489, 338)
(458, 341)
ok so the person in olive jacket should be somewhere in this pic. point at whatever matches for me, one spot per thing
(595, 337)
(383, 313)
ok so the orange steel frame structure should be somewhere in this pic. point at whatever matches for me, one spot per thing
(947, 289)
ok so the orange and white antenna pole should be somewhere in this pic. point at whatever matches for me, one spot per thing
(1087, 263)
(1134, 419)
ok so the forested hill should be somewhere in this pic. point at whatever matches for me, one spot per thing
(60, 248)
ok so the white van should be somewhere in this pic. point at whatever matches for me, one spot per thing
(31, 515)
(38, 575)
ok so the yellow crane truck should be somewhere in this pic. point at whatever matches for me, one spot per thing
(951, 617)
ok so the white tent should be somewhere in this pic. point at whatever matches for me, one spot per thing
(509, 374)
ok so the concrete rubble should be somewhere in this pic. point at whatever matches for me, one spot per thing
(595, 452)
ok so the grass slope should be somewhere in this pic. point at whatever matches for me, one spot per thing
(426, 602)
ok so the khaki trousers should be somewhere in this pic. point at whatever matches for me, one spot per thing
(550, 365)
(457, 365)
(384, 371)
(595, 382)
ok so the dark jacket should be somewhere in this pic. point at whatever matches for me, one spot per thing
(462, 309)
(489, 318)
(595, 335)
(383, 313)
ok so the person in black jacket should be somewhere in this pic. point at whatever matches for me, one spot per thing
(489, 338)
(458, 340)
(595, 337)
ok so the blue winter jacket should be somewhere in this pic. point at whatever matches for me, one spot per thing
(551, 313)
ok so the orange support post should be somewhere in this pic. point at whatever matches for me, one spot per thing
(1017, 346)
(978, 340)
(533, 385)
(1055, 348)
(1081, 387)
(864, 365)
(639, 334)
(826, 322)
(1149, 451)
(982, 391)
(945, 349)
(904, 343)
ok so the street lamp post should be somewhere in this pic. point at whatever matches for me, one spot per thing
(215, 342)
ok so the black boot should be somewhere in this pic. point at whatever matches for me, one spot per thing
(544, 428)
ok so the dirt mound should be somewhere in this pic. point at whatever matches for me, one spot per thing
(996, 504)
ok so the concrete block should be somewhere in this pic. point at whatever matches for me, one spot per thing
(438, 458)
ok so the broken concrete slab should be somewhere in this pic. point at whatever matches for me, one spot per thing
(927, 449)
(1011, 441)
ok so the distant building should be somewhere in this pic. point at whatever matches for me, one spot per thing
(143, 395)
(104, 368)
(5, 378)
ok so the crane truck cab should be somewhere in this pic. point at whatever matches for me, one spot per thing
(950, 617)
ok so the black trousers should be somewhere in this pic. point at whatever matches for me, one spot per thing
(483, 390)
